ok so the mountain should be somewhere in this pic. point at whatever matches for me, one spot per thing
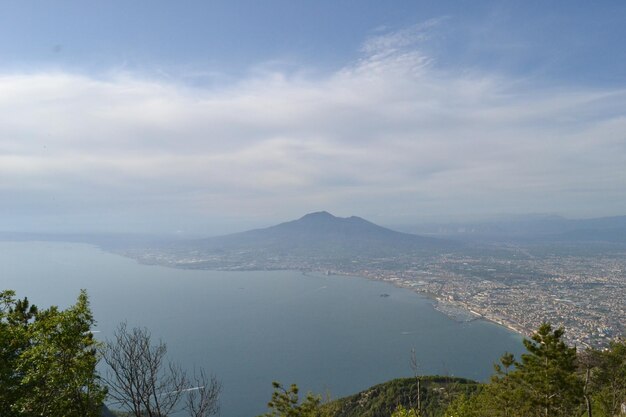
(316, 240)
(321, 232)
(603, 229)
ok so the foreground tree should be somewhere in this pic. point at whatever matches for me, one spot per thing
(548, 374)
(609, 379)
(143, 383)
(48, 360)
(15, 317)
(286, 403)
(404, 412)
(203, 399)
(545, 383)
(588, 362)
(503, 392)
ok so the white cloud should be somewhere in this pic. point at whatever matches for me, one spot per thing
(390, 133)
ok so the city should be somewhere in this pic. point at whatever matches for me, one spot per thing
(516, 286)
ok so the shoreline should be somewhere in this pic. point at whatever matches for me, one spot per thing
(457, 312)
(453, 310)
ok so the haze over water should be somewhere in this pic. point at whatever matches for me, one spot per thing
(334, 333)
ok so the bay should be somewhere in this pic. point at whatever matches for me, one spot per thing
(330, 334)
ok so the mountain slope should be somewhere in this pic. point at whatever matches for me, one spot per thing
(322, 233)
(381, 400)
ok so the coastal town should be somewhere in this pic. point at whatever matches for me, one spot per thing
(585, 295)
(515, 286)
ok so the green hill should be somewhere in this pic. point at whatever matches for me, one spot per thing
(381, 400)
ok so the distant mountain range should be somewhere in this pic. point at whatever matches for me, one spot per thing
(322, 234)
(546, 228)
(323, 230)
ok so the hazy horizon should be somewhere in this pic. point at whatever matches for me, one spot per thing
(214, 118)
(418, 227)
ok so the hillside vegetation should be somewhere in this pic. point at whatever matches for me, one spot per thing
(436, 393)
(551, 380)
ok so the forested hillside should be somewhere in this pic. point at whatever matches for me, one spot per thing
(435, 394)
(551, 379)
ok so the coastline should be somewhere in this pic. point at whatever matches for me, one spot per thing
(456, 311)
(460, 312)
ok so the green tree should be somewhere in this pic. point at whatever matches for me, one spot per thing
(505, 396)
(589, 361)
(609, 379)
(404, 412)
(15, 316)
(286, 403)
(468, 406)
(48, 365)
(545, 383)
(547, 374)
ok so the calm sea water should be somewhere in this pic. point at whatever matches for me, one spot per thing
(327, 334)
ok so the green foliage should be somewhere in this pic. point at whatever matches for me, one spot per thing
(436, 393)
(548, 376)
(545, 383)
(47, 360)
(609, 379)
(466, 406)
(503, 395)
(550, 380)
(403, 412)
(286, 403)
(13, 340)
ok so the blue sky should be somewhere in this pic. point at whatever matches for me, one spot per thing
(213, 116)
(562, 40)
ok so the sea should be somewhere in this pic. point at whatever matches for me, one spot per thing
(332, 335)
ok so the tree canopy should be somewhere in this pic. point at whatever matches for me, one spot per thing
(552, 380)
(48, 360)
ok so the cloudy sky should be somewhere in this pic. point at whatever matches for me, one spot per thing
(211, 117)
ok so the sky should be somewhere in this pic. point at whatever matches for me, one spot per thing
(209, 117)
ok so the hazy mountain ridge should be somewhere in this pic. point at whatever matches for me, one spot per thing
(324, 227)
(548, 228)
(322, 233)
